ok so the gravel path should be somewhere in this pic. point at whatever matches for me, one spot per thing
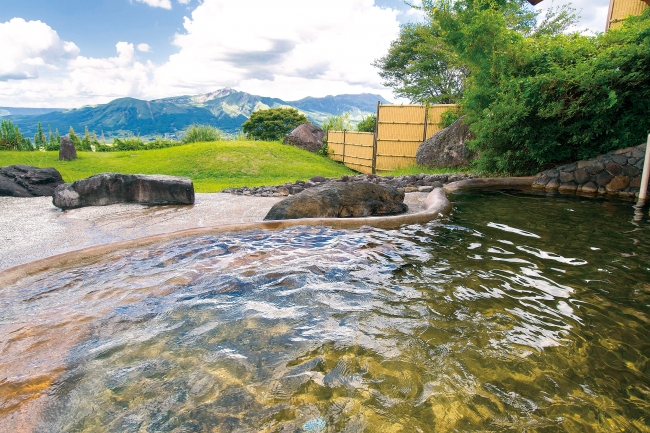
(32, 228)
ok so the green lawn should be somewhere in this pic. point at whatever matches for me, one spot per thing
(211, 166)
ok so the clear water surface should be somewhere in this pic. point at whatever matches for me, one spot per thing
(515, 313)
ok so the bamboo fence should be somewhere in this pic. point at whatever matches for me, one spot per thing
(619, 10)
(399, 132)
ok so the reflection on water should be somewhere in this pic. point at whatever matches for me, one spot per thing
(516, 313)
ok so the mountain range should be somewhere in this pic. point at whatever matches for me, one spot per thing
(225, 109)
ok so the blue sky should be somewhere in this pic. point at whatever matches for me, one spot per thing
(68, 53)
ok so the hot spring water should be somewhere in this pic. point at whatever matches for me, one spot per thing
(516, 313)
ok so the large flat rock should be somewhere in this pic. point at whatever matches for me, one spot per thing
(340, 200)
(112, 188)
(28, 181)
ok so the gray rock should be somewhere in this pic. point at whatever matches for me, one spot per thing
(630, 171)
(553, 184)
(566, 176)
(28, 181)
(67, 152)
(340, 200)
(581, 176)
(306, 136)
(590, 188)
(110, 188)
(447, 148)
(597, 167)
(613, 168)
(603, 178)
(318, 179)
(620, 159)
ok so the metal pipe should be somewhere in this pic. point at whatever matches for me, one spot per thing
(643, 192)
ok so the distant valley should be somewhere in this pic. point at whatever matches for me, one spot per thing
(225, 109)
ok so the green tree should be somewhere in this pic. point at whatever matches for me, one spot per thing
(40, 142)
(337, 123)
(422, 67)
(11, 138)
(86, 142)
(273, 124)
(74, 138)
(53, 141)
(367, 124)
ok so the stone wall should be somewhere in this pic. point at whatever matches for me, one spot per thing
(615, 173)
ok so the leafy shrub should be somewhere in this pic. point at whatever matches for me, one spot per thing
(202, 133)
(367, 124)
(449, 117)
(273, 124)
(568, 97)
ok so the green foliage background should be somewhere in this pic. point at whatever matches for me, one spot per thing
(536, 96)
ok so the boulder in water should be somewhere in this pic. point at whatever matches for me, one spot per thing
(340, 200)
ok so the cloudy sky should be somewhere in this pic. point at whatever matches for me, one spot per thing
(68, 53)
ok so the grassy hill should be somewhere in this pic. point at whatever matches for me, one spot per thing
(211, 166)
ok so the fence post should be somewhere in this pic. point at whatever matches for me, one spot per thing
(643, 192)
(374, 141)
(344, 140)
(426, 121)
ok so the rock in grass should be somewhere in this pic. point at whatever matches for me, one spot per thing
(28, 181)
(340, 200)
(306, 136)
(67, 151)
(111, 188)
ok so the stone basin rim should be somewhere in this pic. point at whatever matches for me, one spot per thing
(435, 204)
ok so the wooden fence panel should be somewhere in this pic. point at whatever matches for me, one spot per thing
(335, 144)
(358, 151)
(400, 131)
(434, 117)
(621, 9)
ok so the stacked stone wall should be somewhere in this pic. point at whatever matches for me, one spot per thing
(614, 173)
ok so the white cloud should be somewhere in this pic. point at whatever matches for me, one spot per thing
(165, 4)
(28, 46)
(284, 48)
(144, 48)
(276, 46)
(110, 77)
(593, 13)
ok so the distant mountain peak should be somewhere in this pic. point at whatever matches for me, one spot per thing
(221, 93)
